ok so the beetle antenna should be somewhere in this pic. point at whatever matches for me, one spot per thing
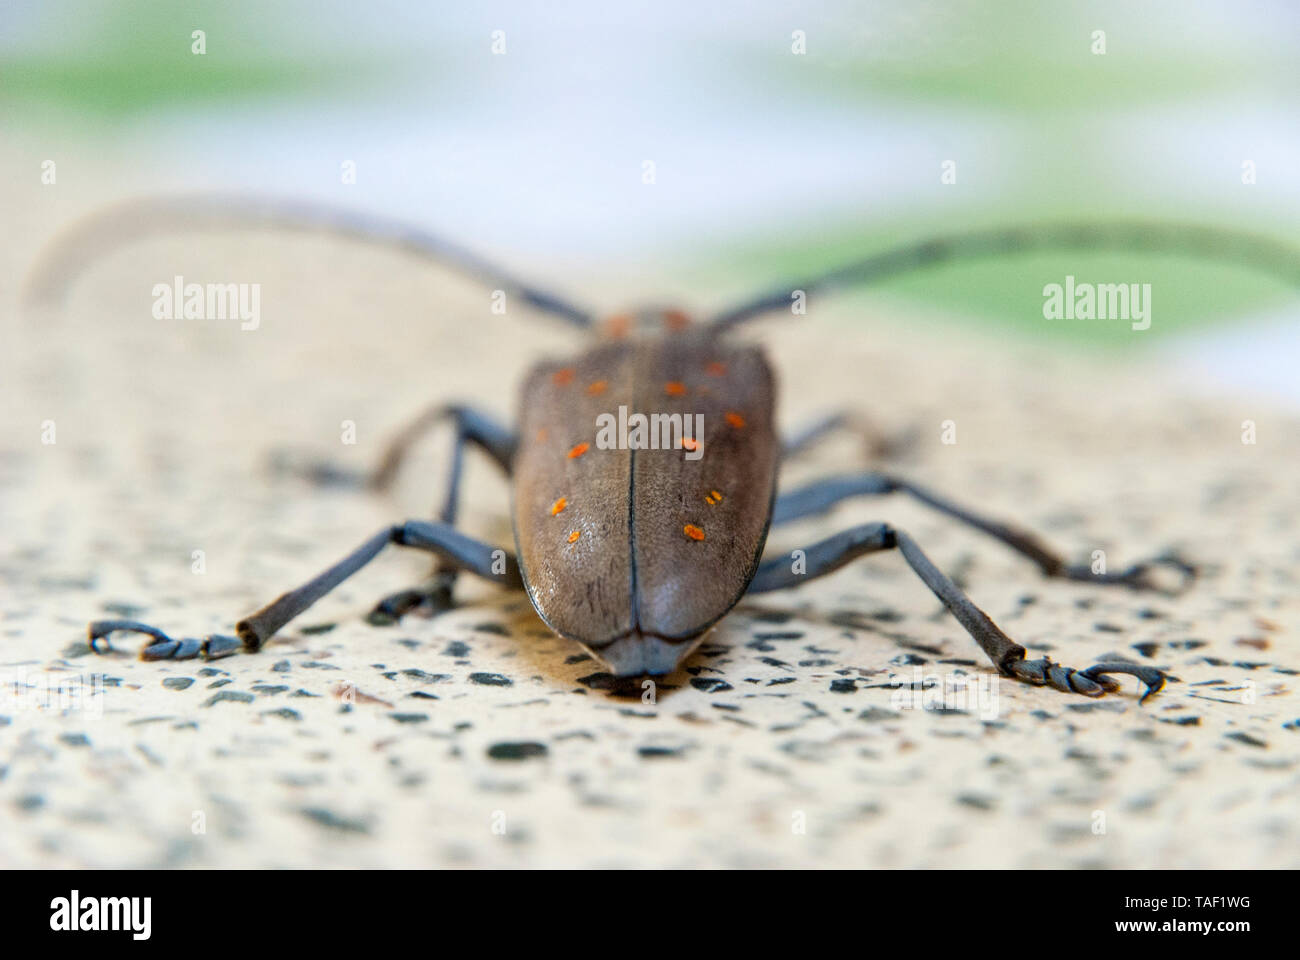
(1213, 243)
(133, 219)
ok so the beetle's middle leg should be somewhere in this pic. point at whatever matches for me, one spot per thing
(820, 496)
(1007, 655)
(472, 427)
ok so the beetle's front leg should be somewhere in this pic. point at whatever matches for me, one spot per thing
(451, 546)
(1007, 655)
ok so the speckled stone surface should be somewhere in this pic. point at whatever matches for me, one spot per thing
(479, 739)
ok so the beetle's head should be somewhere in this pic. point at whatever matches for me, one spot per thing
(638, 654)
(644, 323)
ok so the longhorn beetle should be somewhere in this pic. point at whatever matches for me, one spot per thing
(636, 553)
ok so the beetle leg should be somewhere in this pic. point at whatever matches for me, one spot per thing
(161, 647)
(435, 595)
(1007, 655)
(875, 442)
(472, 427)
(453, 547)
(820, 496)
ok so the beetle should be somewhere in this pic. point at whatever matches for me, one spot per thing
(636, 551)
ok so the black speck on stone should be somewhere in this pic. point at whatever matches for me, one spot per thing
(317, 665)
(210, 672)
(877, 715)
(78, 648)
(657, 753)
(843, 685)
(219, 683)
(577, 658)
(710, 684)
(779, 681)
(496, 628)
(908, 660)
(415, 674)
(978, 801)
(409, 717)
(282, 666)
(820, 662)
(284, 713)
(269, 689)
(1146, 613)
(178, 683)
(331, 820)
(778, 635)
(231, 696)
(317, 628)
(127, 611)
(421, 695)
(1181, 721)
(1247, 739)
(5, 721)
(1107, 628)
(303, 693)
(1147, 650)
(516, 750)
(456, 648)
(490, 679)
(30, 801)
(75, 739)
(886, 615)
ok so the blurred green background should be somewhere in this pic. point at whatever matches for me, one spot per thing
(769, 164)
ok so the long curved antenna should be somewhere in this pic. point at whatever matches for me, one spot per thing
(1213, 243)
(138, 218)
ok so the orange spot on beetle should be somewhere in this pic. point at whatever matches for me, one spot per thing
(735, 419)
(573, 537)
(563, 377)
(558, 506)
(690, 443)
(597, 388)
(676, 319)
(713, 498)
(579, 450)
(674, 388)
(618, 325)
(716, 369)
(692, 531)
